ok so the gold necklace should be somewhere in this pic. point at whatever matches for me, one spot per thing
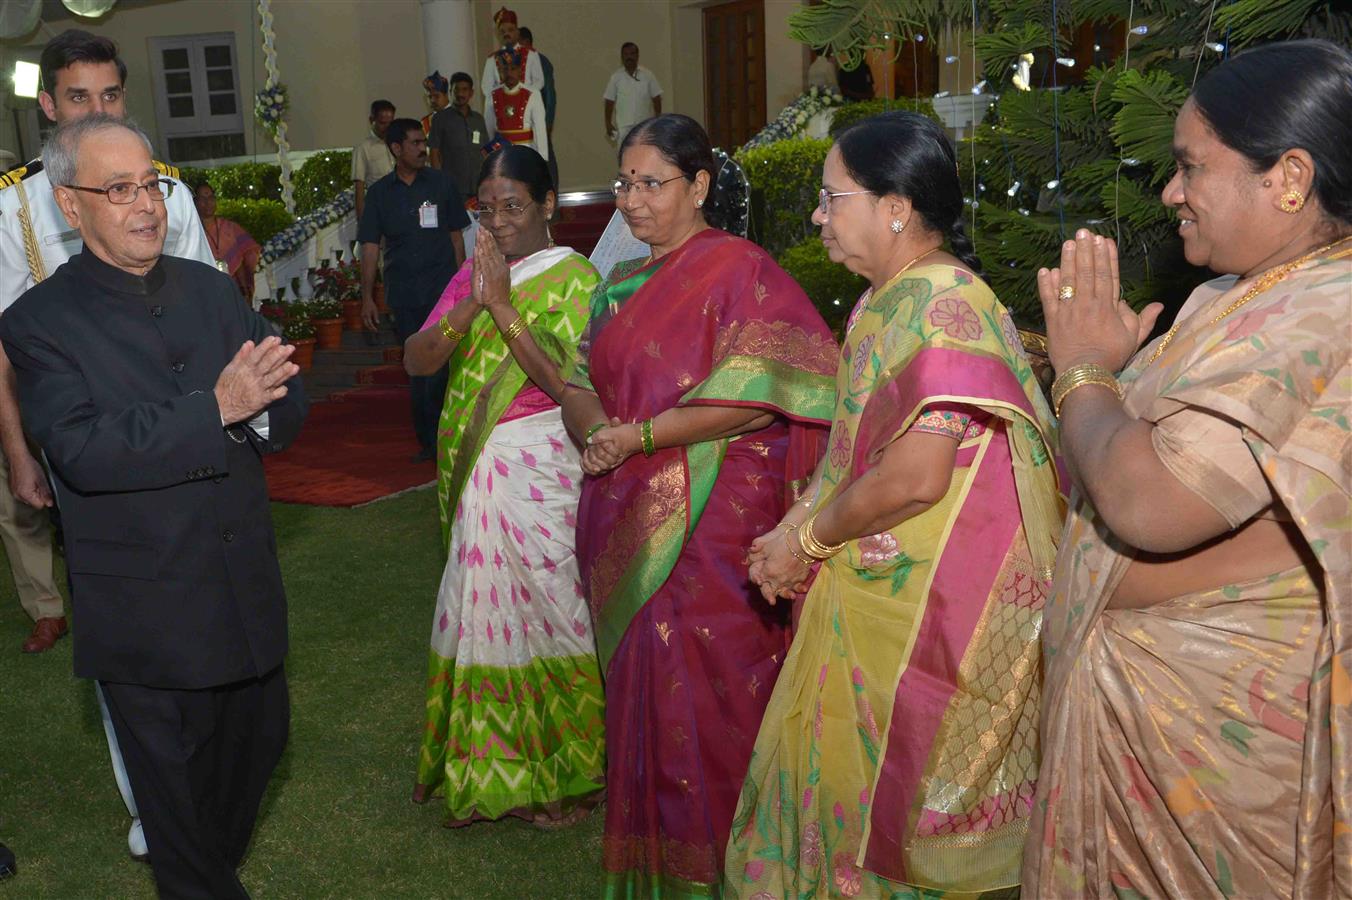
(1265, 280)
(888, 283)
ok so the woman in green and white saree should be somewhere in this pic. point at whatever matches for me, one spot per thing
(515, 715)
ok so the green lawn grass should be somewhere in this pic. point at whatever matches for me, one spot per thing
(337, 821)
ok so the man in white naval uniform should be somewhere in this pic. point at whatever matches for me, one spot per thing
(81, 74)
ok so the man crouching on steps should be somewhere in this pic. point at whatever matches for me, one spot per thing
(153, 392)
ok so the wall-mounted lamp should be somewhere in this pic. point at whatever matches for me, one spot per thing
(25, 79)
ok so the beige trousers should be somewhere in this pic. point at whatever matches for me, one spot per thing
(27, 535)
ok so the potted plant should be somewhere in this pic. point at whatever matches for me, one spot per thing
(300, 332)
(275, 308)
(326, 314)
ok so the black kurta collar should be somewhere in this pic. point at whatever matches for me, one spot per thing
(115, 279)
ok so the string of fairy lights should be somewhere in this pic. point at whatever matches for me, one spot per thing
(1021, 80)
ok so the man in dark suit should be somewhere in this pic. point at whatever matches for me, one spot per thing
(153, 392)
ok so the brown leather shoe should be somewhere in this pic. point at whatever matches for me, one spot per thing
(46, 632)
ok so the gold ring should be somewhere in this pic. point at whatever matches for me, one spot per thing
(1067, 292)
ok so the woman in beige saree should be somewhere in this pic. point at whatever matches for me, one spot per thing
(1197, 708)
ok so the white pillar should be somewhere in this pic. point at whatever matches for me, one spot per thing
(448, 36)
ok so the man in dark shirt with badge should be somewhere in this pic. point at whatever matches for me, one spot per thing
(455, 145)
(418, 212)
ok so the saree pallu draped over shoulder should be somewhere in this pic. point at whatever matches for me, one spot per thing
(1202, 747)
(689, 648)
(485, 381)
(898, 755)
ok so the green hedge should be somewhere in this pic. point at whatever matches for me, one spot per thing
(240, 181)
(321, 178)
(785, 177)
(847, 115)
(261, 218)
(832, 287)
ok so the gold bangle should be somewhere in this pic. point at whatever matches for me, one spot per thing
(450, 333)
(813, 547)
(513, 331)
(1078, 377)
(645, 435)
(796, 555)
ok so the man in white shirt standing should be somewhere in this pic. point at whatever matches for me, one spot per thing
(81, 75)
(371, 159)
(532, 73)
(631, 96)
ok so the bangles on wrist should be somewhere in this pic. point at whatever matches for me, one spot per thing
(814, 548)
(449, 332)
(796, 555)
(645, 436)
(514, 330)
(591, 432)
(1078, 377)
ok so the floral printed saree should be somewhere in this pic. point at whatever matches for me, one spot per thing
(1202, 747)
(898, 755)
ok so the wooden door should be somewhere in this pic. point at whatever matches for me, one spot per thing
(734, 71)
(916, 69)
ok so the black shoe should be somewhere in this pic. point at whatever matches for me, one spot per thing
(8, 866)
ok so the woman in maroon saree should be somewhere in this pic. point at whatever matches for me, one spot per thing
(702, 394)
(236, 252)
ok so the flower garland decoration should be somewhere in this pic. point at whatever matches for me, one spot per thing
(292, 239)
(270, 106)
(792, 119)
(273, 87)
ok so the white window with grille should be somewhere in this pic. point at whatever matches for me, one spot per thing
(197, 101)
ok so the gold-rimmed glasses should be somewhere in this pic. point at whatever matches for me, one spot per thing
(510, 211)
(824, 198)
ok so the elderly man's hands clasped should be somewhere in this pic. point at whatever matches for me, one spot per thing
(256, 377)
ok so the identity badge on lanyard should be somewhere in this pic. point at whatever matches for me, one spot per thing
(427, 215)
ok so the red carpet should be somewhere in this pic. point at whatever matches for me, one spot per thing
(355, 447)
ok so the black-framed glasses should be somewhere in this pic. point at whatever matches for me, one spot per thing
(125, 192)
(510, 211)
(642, 186)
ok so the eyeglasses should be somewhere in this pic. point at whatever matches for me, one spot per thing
(510, 211)
(642, 186)
(824, 198)
(125, 192)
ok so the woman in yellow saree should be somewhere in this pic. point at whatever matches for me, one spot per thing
(899, 749)
(1198, 701)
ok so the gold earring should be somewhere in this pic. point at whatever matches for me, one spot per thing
(1292, 202)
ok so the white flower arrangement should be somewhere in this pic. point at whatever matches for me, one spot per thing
(793, 119)
(270, 105)
(292, 239)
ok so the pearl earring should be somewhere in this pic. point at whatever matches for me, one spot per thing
(897, 226)
(699, 204)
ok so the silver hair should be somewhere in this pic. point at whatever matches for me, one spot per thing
(61, 153)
